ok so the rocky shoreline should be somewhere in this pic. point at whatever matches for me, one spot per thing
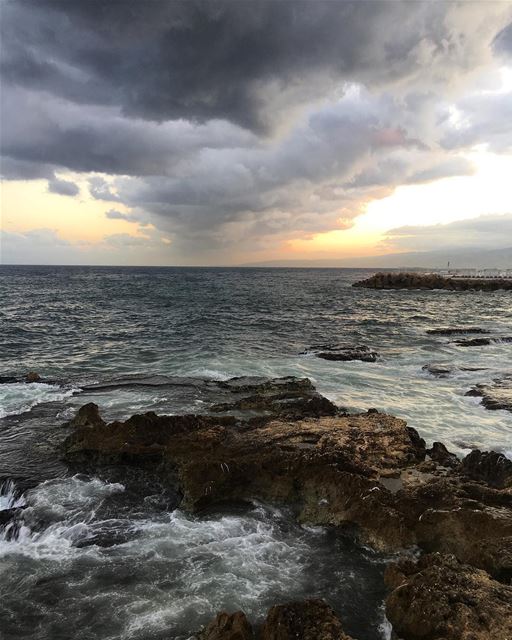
(406, 280)
(283, 443)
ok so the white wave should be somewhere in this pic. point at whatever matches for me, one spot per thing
(19, 397)
(172, 572)
(9, 497)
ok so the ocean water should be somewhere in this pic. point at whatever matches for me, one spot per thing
(92, 554)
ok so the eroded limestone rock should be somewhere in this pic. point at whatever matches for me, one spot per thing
(308, 620)
(367, 469)
(439, 598)
(226, 626)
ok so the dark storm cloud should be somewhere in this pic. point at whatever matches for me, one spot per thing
(40, 129)
(207, 60)
(234, 122)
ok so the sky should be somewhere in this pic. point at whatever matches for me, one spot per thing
(224, 133)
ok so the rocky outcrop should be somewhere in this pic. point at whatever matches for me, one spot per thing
(342, 352)
(495, 396)
(311, 619)
(308, 620)
(367, 469)
(493, 468)
(287, 397)
(226, 626)
(405, 280)
(443, 370)
(439, 598)
(440, 454)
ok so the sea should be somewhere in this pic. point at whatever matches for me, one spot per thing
(91, 560)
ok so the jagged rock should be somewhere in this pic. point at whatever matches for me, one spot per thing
(493, 468)
(453, 331)
(287, 397)
(305, 620)
(482, 342)
(439, 598)
(226, 626)
(367, 469)
(343, 353)
(439, 453)
(32, 376)
(495, 396)
(404, 280)
(6, 516)
(87, 416)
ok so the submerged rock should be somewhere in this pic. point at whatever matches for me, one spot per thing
(440, 598)
(343, 353)
(32, 376)
(482, 342)
(495, 396)
(453, 331)
(405, 280)
(443, 370)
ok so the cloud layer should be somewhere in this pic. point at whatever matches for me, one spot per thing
(235, 125)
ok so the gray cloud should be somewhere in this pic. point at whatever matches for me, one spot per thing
(113, 214)
(63, 187)
(238, 61)
(490, 232)
(483, 118)
(503, 41)
(238, 124)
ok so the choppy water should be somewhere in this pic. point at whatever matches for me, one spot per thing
(122, 568)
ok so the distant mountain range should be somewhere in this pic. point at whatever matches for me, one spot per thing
(467, 258)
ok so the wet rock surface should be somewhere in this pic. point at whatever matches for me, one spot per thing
(368, 469)
(342, 352)
(440, 454)
(444, 370)
(489, 466)
(495, 396)
(405, 280)
(482, 342)
(311, 619)
(225, 626)
(440, 598)
(455, 331)
(287, 397)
